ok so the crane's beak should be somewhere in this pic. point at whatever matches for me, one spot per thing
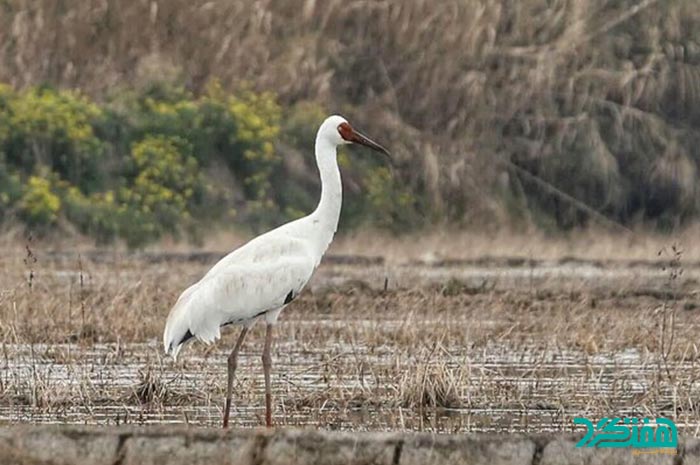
(359, 138)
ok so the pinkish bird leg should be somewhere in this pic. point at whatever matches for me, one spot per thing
(267, 364)
(232, 364)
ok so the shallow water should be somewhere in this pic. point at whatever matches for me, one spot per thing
(512, 384)
(498, 388)
(487, 272)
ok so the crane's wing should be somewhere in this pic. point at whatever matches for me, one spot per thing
(269, 247)
(234, 293)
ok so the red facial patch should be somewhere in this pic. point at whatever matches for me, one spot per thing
(346, 132)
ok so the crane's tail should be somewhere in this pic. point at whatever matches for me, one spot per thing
(177, 327)
(179, 331)
(183, 325)
(173, 348)
(176, 333)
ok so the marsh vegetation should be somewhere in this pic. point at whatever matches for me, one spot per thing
(535, 113)
(490, 343)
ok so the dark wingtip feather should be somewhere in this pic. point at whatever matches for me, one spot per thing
(188, 335)
(289, 297)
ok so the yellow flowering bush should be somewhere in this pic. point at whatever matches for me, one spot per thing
(134, 167)
(238, 130)
(39, 205)
(241, 130)
(55, 129)
(251, 122)
(166, 180)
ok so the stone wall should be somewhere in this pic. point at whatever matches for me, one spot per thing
(180, 445)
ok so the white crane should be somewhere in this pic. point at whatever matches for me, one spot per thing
(261, 277)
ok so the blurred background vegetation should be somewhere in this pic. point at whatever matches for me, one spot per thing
(133, 120)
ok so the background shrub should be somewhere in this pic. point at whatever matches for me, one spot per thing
(39, 206)
(595, 99)
(54, 129)
(159, 160)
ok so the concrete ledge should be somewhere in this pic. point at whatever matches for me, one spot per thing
(180, 445)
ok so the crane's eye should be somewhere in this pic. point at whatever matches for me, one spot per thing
(346, 131)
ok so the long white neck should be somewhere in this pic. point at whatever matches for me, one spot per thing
(326, 215)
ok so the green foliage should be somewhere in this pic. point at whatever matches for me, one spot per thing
(96, 215)
(39, 206)
(6, 94)
(163, 187)
(598, 99)
(44, 127)
(11, 190)
(236, 131)
(300, 124)
(134, 168)
(250, 151)
(391, 205)
(295, 195)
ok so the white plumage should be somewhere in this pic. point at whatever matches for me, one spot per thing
(248, 283)
(261, 277)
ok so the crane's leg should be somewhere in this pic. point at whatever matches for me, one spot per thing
(267, 364)
(232, 364)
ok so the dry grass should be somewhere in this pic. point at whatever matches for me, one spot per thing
(445, 245)
(462, 339)
(598, 97)
(435, 246)
(433, 352)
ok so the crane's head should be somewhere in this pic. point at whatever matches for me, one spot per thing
(339, 132)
